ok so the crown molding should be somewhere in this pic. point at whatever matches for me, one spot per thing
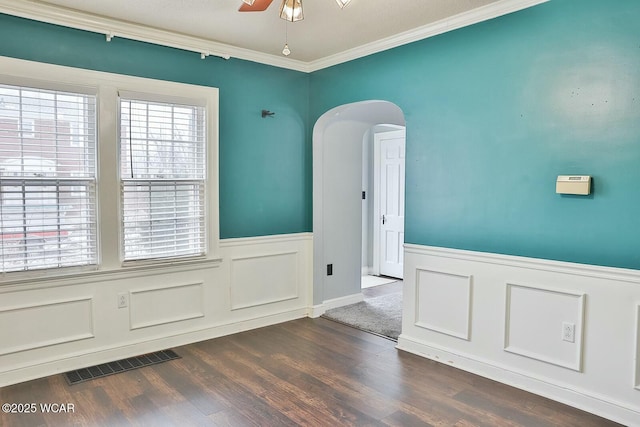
(115, 28)
(110, 27)
(483, 13)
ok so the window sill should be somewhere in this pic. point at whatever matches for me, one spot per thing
(48, 278)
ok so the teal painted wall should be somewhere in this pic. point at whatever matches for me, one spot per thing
(265, 164)
(496, 111)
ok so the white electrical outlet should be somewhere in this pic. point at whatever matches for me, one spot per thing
(568, 332)
(122, 300)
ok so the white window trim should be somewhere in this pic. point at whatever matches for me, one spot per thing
(107, 86)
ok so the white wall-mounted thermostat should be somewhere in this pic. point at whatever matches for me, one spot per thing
(573, 184)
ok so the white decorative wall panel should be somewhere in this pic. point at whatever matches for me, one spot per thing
(443, 302)
(161, 305)
(534, 324)
(45, 324)
(263, 279)
(519, 307)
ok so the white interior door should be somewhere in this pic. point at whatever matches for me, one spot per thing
(392, 160)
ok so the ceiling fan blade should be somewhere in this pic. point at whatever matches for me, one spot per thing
(258, 6)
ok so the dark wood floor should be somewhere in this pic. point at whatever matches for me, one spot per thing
(311, 372)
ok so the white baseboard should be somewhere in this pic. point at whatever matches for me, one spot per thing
(566, 394)
(318, 310)
(105, 355)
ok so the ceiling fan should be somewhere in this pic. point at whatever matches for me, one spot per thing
(290, 10)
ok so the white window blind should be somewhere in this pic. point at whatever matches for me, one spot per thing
(47, 179)
(162, 169)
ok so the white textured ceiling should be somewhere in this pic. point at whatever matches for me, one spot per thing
(326, 30)
(327, 36)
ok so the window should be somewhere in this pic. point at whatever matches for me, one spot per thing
(47, 183)
(162, 173)
(104, 173)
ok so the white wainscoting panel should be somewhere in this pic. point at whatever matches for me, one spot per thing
(533, 324)
(46, 323)
(443, 302)
(69, 321)
(263, 279)
(518, 307)
(167, 304)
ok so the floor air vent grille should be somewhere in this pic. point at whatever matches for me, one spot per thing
(99, 371)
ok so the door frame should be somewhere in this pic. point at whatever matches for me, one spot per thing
(365, 115)
(376, 217)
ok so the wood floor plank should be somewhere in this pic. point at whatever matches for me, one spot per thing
(143, 411)
(231, 418)
(404, 419)
(182, 381)
(430, 396)
(308, 372)
(297, 403)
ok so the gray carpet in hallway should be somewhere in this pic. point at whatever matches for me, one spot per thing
(381, 315)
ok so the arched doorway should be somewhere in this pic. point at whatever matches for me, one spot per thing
(337, 205)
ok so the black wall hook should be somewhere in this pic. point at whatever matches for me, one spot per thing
(267, 113)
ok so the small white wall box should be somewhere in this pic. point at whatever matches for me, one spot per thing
(573, 184)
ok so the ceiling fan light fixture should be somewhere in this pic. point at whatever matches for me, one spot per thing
(286, 51)
(291, 10)
(342, 3)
